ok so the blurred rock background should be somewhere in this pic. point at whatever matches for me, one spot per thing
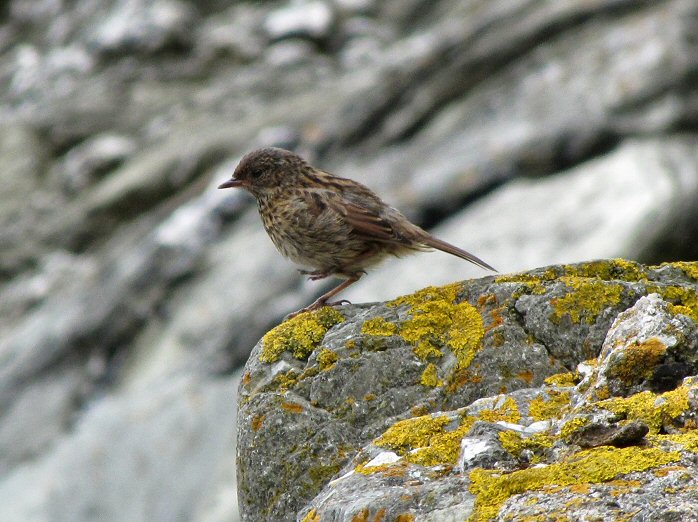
(131, 291)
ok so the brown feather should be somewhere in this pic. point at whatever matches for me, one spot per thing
(454, 250)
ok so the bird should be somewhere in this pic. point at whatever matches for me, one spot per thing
(331, 225)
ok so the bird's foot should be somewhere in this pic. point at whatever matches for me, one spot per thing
(339, 303)
(316, 306)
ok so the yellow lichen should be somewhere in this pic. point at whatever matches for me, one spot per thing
(688, 441)
(679, 295)
(562, 379)
(327, 359)
(654, 410)
(393, 469)
(285, 381)
(688, 268)
(593, 466)
(425, 350)
(515, 443)
(378, 326)
(609, 270)
(542, 408)
(586, 300)
(572, 426)
(430, 377)
(436, 321)
(504, 410)
(680, 309)
(606, 270)
(427, 440)
(312, 516)
(300, 335)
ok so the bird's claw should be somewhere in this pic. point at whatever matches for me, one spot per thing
(338, 303)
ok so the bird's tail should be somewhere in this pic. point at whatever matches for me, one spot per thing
(454, 250)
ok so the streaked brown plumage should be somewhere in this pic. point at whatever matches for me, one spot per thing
(336, 226)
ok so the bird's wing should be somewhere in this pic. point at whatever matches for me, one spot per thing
(366, 214)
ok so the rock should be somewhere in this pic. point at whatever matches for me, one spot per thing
(145, 26)
(135, 421)
(650, 346)
(366, 410)
(22, 153)
(311, 19)
(593, 435)
(92, 158)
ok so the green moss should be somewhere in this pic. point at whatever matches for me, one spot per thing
(587, 299)
(427, 440)
(597, 465)
(430, 377)
(378, 326)
(300, 335)
(436, 321)
(553, 407)
(327, 359)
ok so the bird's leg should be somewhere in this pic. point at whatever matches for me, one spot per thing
(314, 275)
(322, 300)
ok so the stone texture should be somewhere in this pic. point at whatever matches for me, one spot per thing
(430, 404)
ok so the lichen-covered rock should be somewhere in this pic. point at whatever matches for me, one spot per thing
(460, 401)
(652, 345)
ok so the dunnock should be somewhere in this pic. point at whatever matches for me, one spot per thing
(334, 225)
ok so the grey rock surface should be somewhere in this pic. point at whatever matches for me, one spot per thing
(430, 404)
(528, 132)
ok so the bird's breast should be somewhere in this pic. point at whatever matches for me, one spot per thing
(305, 229)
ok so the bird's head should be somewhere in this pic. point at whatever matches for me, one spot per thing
(265, 169)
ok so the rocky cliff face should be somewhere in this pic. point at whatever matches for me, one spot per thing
(131, 290)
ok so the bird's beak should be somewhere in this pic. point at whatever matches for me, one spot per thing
(233, 183)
